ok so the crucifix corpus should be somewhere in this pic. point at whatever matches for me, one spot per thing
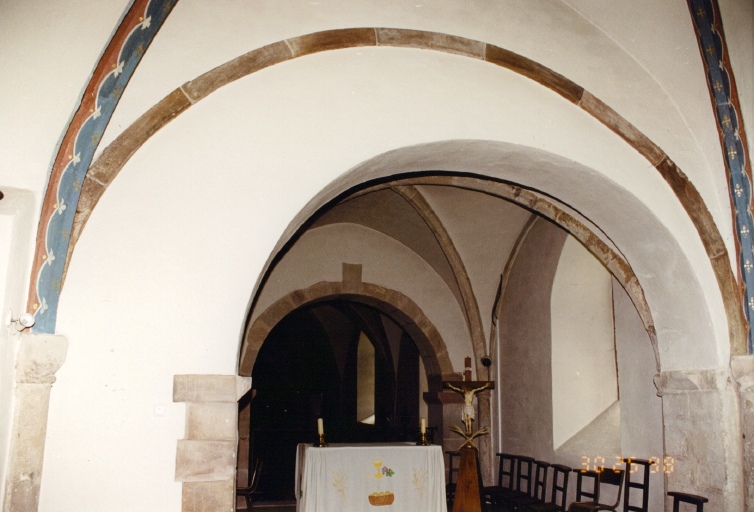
(468, 496)
(469, 388)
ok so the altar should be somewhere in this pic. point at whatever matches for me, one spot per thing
(402, 477)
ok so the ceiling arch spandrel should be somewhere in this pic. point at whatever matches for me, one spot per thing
(389, 213)
(318, 256)
(484, 230)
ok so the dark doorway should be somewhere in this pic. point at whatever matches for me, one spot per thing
(340, 360)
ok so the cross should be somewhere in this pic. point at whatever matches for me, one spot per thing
(468, 497)
(468, 388)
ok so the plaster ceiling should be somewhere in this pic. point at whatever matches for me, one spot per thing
(482, 228)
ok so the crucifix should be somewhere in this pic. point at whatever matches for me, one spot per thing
(469, 483)
(469, 388)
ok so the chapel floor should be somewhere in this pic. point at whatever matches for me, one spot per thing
(273, 507)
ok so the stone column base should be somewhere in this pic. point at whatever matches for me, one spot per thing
(743, 371)
(703, 436)
(206, 458)
(39, 357)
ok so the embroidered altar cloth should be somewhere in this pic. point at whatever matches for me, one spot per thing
(393, 477)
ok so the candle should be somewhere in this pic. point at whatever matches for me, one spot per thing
(320, 426)
(424, 426)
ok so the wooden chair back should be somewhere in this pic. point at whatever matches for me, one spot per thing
(559, 491)
(540, 480)
(506, 472)
(637, 485)
(524, 475)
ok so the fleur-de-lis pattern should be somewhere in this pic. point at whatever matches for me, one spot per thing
(78, 145)
(708, 25)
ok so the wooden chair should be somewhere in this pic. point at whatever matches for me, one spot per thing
(506, 480)
(558, 491)
(638, 484)
(250, 490)
(583, 479)
(682, 497)
(538, 490)
(523, 487)
(606, 477)
(450, 487)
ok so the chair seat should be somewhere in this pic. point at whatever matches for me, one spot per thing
(558, 492)
(497, 495)
(250, 491)
(589, 506)
(692, 499)
(606, 477)
(544, 507)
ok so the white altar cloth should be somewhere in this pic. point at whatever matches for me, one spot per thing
(341, 478)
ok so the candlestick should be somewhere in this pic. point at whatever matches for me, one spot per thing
(423, 430)
(321, 432)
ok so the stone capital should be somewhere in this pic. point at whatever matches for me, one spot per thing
(39, 357)
(692, 381)
(210, 388)
(743, 372)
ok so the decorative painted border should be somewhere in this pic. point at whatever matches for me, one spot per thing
(113, 72)
(724, 95)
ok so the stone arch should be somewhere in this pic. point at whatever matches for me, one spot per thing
(655, 278)
(399, 307)
(590, 236)
(112, 160)
(404, 311)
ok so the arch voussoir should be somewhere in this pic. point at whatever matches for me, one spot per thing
(399, 307)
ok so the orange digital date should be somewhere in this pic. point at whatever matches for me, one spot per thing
(657, 464)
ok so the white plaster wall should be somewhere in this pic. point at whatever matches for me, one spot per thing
(319, 256)
(640, 28)
(159, 288)
(9, 344)
(525, 352)
(641, 429)
(48, 50)
(16, 220)
(584, 373)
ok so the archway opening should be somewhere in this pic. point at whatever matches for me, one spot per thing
(449, 238)
(344, 361)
